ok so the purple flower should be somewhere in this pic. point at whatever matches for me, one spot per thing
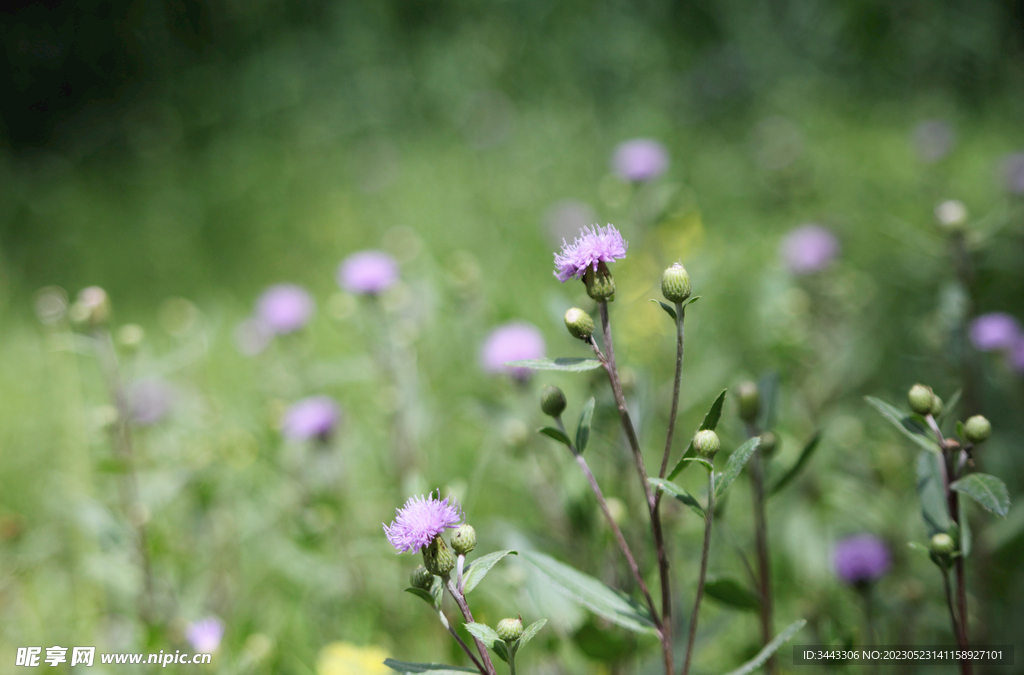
(1013, 172)
(313, 417)
(367, 272)
(861, 558)
(933, 139)
(601, 244)
(995, 330)
(205, 635)
(640, 160)
(149, 401)
(809, 248)
(284, 308)
(511, 342)
(420, 520)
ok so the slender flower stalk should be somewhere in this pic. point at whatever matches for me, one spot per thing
(460, 600)
(764, 579)
(709, 516)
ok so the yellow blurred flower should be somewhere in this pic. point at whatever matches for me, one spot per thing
(343, 658)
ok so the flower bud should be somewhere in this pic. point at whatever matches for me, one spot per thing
(921, 399)
(421, 578)
(749, 400)
(510, 629)
(438, 558)
(936, 406)
(579, 323)
(464, 539)
(92, 306)
(675, 284)
(706, 443)
(769, 442)
(977, 429)
(942, 545)
(600, 284)
(552, 401)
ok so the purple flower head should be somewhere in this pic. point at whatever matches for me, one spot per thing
(284, 308)
(861, 558)
(600, 244)
(367, 272)
(933, 140)
(809, 248)
(421, 519)
(205, 635)
(511, 342)
(149, 401)
(995, 330)
(1013, 172)
(640, 160)
(313, 417)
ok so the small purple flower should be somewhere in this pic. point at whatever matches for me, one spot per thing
(1013, 172)
(421, 519)
(861, 558)
(809, 248)
(149, 401)
(284, 308)
(205, 635)
(600, 244)
(313, 417)
(993, 331)
(640, 160)
(933, 140)
(367, 272)
(512, 342)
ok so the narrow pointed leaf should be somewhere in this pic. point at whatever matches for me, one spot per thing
(422, 594)
(769, 649)
(731, 592)
(710, 422)
(557, 434)
(432, 668)
(949, 406)
(794, 470)
(590, 593)
(735, 464)
(907, 425)
(530, 632)
(768, 389)
(484, 633)
(690, 301)
(668, 308)
(931, 492)
(583, 430)
(960, 429)
(988, 491)
(501, 649)
(565, 364)
(479, 568)
(679, 493)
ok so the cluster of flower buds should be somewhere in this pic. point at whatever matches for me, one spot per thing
(923, 400)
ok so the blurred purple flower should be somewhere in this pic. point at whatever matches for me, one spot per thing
(367, 272)
(861, 558)
(284, 308)
(995, 330)
(640, 160)
(933, 140)
(313, 417)
(809, 248)
(149, 401)
(420, 520)
(1013, 172)
(252, 336)
(205, 635)
(601, 244)
(511, 342)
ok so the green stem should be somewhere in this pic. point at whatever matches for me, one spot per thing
(511, 659)
(709, 519)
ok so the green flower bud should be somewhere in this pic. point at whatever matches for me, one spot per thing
(769, 442)
(421, 578)
(706, 443)
(921, 399)
(579, 323)
(464, 539)
(977, 429)
(510, 629)
(552, 401)
(438, 558)
(942, 545)
(675, 284)
(936, 406)
(600, 284)
(749, 400)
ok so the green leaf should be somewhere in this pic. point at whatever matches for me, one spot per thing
(530, 632)
(478, 569)
(731, 592)
(710, 422)
(735, 464)
(949, 406)
(433, 596)
(794, 470)
(679, 493)
(433, 668)
(501, 649)
(668, 308)
(960, 429)
(556, 434)
(769, 649)
(566, 364)
(591, 593)
(484, 633)
(583, 430)
(907, 425)
(420, 593)
(932, 493)
(920, 548)
(768, 388)
(987, 490)
(690, 301)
